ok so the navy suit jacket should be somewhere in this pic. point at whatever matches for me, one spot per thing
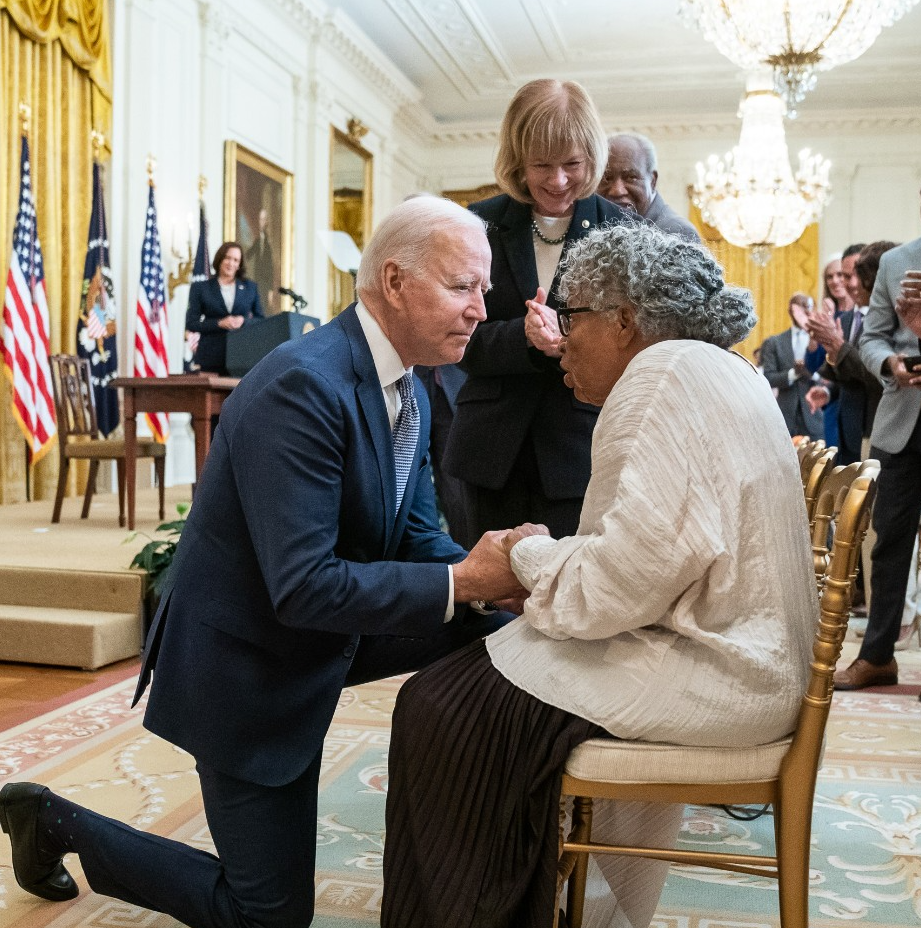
(513, 391)
(292, 550)
(205, 311)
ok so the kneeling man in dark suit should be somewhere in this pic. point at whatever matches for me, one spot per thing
(311, 560)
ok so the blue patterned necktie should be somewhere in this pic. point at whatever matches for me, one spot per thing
(405, 434)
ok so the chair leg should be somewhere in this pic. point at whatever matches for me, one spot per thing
(581, 832)
(120, 471)
(160, 471)
(63, 468)
(90, 489)
(792, 833)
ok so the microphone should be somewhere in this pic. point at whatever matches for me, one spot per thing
(298, 299)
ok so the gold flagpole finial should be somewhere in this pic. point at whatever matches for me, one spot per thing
(202, 186)
(151, 167)
(25, 115)
(99, 141)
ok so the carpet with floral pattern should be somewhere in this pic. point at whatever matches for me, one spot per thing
(866, 856)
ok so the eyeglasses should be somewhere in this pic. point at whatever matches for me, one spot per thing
(564, 318)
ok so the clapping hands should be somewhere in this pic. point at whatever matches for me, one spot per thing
(540, 325)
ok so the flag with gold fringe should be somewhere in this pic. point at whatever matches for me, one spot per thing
(26, 328)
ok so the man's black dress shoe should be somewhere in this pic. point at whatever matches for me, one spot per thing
(39, 872)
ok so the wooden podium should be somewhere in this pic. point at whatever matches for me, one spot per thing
(250, 344)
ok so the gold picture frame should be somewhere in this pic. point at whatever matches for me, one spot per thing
(350, 205)
(259, 214)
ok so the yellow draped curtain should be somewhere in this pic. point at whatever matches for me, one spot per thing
(791, 269)
(56, 59)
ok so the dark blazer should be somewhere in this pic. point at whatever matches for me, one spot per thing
(859, 393)
(292, 550)
(207, 308)
(514, 392)
(776, 361)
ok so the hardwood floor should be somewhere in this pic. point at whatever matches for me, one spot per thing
(30, 690)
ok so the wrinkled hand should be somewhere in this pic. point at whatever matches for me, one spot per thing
(817, 397)
(514, 535)
(231, 322)
(908, 304)
(486, 573)
(540, 325)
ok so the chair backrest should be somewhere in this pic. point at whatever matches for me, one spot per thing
(816, 478)
(830, 497)
(73, 397)
(812, 453)
(800, 764)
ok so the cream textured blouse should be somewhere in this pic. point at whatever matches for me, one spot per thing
(684, 609)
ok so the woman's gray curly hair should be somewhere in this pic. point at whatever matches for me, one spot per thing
(675, 286)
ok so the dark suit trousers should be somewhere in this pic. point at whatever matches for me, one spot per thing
(896, 513)
(265, 836)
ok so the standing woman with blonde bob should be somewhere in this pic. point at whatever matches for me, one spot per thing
(520, 440)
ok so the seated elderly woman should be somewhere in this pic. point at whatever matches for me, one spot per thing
(682, 610)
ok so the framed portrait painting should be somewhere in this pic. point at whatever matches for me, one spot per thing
(259, 214)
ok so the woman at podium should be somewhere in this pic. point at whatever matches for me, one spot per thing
(216, 306)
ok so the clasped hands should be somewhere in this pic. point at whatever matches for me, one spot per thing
(486, 573)
(231, 322)
(540, 325)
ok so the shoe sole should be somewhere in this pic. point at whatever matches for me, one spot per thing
(889, 680)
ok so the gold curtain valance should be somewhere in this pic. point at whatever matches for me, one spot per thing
(81, 27)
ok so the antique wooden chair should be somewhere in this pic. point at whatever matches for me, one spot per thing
(782, 774)
(78, 436)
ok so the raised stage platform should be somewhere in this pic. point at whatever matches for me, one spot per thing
(67, 593)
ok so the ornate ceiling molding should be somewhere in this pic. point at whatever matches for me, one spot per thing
(837, 123)
(459, 43)
(338, 38)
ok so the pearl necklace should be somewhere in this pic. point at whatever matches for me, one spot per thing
(547, 241)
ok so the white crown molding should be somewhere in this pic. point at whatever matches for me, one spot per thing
(340, 36)
(826, 123)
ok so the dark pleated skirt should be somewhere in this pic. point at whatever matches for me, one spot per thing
(473, 802)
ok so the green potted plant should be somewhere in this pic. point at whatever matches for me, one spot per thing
(156, 557)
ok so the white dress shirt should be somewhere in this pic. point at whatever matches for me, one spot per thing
(390, 369)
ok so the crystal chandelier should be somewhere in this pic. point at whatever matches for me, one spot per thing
(752, 196)
(796, 38)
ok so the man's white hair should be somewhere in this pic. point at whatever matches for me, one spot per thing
(407, 236)
(645, 145)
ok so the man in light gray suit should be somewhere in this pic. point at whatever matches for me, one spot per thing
(783, 361)
(630, 181)
(885, 345)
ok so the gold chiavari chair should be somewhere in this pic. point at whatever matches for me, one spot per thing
(781, 774)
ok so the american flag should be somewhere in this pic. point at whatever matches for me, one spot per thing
(201, 270)
(26, 326)
(150, 329)
(97, 323)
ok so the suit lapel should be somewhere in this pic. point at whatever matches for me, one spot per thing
(371, 399)
(515, 235)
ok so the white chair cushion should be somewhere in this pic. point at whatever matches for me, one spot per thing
(611, 761)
